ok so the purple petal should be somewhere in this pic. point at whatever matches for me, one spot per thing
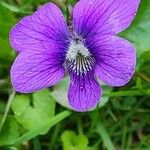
(45, 24)
(92, 17)
(116, 60)
(84, 92)
(36, 69)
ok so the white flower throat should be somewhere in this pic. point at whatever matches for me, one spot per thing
(79, 58)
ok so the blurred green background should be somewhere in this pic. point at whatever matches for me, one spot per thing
(37, 122)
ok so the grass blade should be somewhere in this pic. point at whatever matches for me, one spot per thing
(105, 137)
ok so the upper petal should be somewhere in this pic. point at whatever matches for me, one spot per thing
(84, 92)
(116, 60)
(38, 68)
(47, 23)
(92, 17)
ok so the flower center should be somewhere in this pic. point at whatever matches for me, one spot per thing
(79, 58)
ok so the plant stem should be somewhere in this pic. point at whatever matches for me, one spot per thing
(10, 100)
(127, 93)
(59, 3)
(144, 77)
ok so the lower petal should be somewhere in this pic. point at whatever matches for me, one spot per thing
(116, 60)
(35, 70)
(84, 92)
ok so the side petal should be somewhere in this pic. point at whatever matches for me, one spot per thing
(84, 92)
(92, 17)
(34, 70)
(116, 60)
(47, 23)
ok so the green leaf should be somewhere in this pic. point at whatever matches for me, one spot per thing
(144, 63)
(139, 31)
(7, 20)
(43, 101)
(37, 130)
(14, 8)
(62, 89)
(71, 141)
(10, 131)
(7, 54)
(6, 15)
(145, 57)
(104, 99)
(34, 112)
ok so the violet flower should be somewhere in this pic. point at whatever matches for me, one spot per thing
(88, 50)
